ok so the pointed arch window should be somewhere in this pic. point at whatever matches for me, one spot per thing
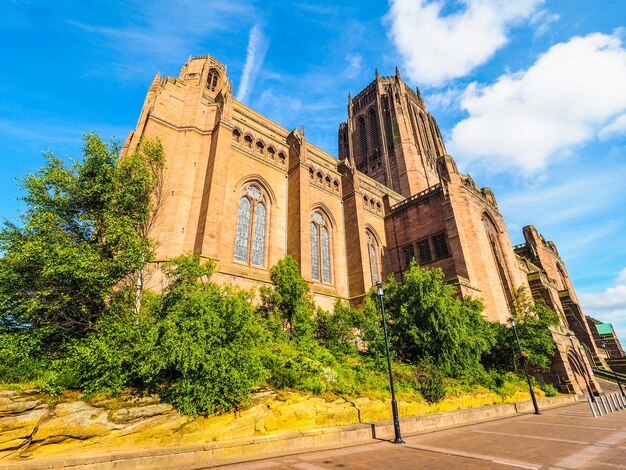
(211, 82)
(373, 249)
(251, 227)
(363, 138)
(375, 135)
(320, 248)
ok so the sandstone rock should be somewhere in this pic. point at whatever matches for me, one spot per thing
(17, 406)
(75, 420)
(128, 414)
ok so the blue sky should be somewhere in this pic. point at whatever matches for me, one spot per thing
(530, 94)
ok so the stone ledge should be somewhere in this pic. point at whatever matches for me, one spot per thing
(292, 443)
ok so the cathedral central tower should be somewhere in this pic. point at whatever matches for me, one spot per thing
(391, 137)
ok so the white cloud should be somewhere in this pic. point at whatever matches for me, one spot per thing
(621, 277)
(437, 47)
(526, 118)
(255, 55)
(542, 20)
(354, 65)
(608, 306)
(615, 128)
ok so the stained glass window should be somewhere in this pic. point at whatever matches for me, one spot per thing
(315, 273)
(373, 258)
(243, 230)
(258, 241)
(251, 223)
(325, 256)
(320, 249)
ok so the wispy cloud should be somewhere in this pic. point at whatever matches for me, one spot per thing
(255, 55)
(163, 32)
(453, 44)
(525, 119)
(609, 305)
(354, 65)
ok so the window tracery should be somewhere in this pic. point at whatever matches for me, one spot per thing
(211, 83)
(251, 225)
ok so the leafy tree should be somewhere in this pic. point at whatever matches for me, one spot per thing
(289, 302)
(534, 320)
(204, 342)
(339, 330)
(428, 320)
(85, 230)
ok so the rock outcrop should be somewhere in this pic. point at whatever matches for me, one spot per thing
(34, 426)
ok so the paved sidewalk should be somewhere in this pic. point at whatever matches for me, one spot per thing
(563, 438)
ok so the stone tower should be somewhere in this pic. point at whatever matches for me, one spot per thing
(391, 137)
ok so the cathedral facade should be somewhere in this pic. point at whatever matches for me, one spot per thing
(243, 191)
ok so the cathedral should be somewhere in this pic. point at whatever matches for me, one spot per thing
(244, 191)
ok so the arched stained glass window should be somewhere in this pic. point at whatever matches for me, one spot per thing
(251, 224)
(258, 242)
(320, 249)
(372, 247)
(243, 230)
(315, 265)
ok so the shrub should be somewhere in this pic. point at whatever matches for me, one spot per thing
(549, 390)
(430, 382)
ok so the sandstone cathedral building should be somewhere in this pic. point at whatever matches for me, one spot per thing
(244, 192)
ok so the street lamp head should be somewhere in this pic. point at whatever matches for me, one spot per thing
(571, 335)
(512, 321)
(603, 344)
(379, 284)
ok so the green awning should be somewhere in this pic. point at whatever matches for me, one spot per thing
(605, 328)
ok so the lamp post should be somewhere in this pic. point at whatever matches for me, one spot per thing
(523, 358)
(571, 336)
(394, 403)
(608, 357)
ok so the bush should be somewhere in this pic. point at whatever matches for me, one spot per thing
(428, 320)
(549, 390)
(430, 382)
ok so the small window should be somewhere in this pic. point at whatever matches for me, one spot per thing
(260, 146)
(372, 203)
(409, 255)
(378, 207)
(282, 157)
(248, 140)
(424, 250)
(441, 247)
(271, 151)
(319, 177)
(365, 200)
(312, 173)
(336, 185)
(327, 180)
(236, 135)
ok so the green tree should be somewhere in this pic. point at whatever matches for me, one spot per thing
(339, 330)
(534, 320)
(85, 230)
(203, 353)
(289, 302)
(428, 321)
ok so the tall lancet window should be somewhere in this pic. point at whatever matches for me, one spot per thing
(372, 248)
(375, 135)
(211, 82)
(320, 248)
(251, 225)
(363, 138)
